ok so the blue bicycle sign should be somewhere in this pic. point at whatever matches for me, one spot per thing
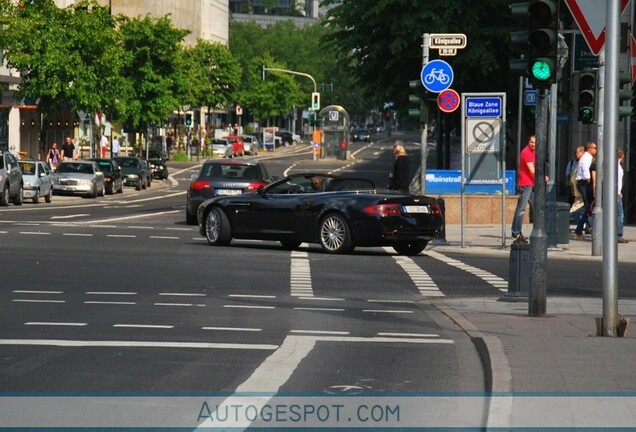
(437, 76)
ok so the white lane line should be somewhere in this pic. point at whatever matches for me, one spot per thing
(36, 292)
(422, 335)
(390, 301)
(182, 294)
(132, 217)
(492, 279)
(141, 227)
(320, 332)
(248, 307)
(63, 324)
(319, 309)
(252, 296)
(300, 275)
(4, 232)
(77, 235)
(121, 236)
(136, 344)
(387, 311)
(237, 329)
(102, 226)
(164, 237)
(179, 229)
(70, 216)
(179, 304)
(37, 301)
(334, 299)
(34, 233)
(144, 326)
(109, 302)
(110, 293)
(420, 278)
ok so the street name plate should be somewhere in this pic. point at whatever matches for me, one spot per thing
(448, 40)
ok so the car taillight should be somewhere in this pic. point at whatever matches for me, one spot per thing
(383, 210)
(198, 185)
(255, 185)
(435, 209)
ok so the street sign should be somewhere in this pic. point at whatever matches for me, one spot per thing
(239, 110)
(437, 76)
(448, 40)
(479, 106)
(590, 16)
(448, 100)
(583, 57)
(530, 97)
(483, 135)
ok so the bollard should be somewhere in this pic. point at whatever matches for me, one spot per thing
(441, 238)
(518, 273)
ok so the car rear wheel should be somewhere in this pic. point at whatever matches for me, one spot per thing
(18, 198)
(335, 236)
(290, 244)
(4, 198)
(217, 228)
(410, 248)
(49, 197)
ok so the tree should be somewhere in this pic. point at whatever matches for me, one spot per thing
(152, 48)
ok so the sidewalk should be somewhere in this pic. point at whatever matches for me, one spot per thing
(554, 355)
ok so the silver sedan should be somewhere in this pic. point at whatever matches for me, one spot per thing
(79, 177)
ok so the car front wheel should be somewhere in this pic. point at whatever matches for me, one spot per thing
(217, 228)
(410, 248)
(335, 236)
(49, 197)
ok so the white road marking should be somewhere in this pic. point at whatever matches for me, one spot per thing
(63, 324)
(335, 299)
(387, 311)
(34, 233)
(494, 280)
(71, 216)
(77, 235)
(131, 217)
(37, 301)
(145, 326)
(252, 296)
(424, 335)
(300, 275)
(179, 304)
(390, 301)
(135, 344)
(121, 236)
(239, 329)
(321, 332)
(110, 293)
(248, 307)
(36, 292)
(319, 309)
(109, 302)
(420, 278)
(182, 294)
(164, 237)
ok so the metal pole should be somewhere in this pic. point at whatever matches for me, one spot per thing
(597, 212)
(538, 238)
(551, 206)
(610, 247)
(426, 42)
(519, 117)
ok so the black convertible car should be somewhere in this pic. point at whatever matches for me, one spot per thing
(337, 212)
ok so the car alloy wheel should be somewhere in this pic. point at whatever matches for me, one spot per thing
(410, 248)
(334, 234)
(4, 198)
(49, 197)
(18, 198)
(217, 228)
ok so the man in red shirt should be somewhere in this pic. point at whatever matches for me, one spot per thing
(525, 184)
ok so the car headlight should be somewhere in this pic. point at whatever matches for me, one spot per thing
(28, 185)
(133, 176)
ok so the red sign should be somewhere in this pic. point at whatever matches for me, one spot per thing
(448, 100)
(590, 16)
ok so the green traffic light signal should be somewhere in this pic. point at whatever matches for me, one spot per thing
(587, 97)
(542, 70)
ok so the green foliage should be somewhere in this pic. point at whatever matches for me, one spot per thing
(180, 156)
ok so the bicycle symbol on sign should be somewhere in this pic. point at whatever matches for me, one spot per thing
(437, 75)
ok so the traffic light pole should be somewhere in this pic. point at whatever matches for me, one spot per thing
(597, 211)
(426, 43)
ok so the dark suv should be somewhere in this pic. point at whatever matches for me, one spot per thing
(10, 180)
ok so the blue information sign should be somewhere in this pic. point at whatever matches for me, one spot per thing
(437, 76)
(484, 107)
(530, 97)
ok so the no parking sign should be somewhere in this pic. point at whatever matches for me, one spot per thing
(448, 100)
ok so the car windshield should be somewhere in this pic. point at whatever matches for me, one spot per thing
(129, 163)
(219, 142)
(229, 171)
(105, 166)
(82, 168)
(28, 168)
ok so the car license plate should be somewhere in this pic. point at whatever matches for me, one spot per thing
(229, 191)
(416, 209)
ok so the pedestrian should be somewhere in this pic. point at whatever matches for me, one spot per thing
(620, 214)
(53, 157)
(584, 186)
(68, 150)
(236, 129)
(570, 176)
(399, 179)
(525, 185)
(103, 143)
(115, 147)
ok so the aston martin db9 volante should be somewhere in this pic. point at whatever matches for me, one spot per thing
(338, 213)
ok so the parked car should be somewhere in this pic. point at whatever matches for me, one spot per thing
(288, 138)
(238, 147)
(113, 179)
(223, 177)
(221, 147)
(255, 135)
(135, 171)
(37, 180)
(338, 213)
(158, 165)
(360, 135)
(250, 144)
(79, 177)
(10, 180)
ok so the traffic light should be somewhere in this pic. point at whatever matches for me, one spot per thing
(417, 101)
(625, 95)
(315, 101)
(539, 42)
(587, 97)
(188, 119)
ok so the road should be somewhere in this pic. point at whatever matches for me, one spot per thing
(119, 295)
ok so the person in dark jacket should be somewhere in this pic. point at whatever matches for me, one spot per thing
(400, 178)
